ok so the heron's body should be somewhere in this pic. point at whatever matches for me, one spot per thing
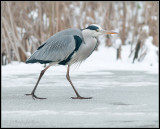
(66, 48)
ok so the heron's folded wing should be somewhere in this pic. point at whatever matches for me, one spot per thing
(54, 50)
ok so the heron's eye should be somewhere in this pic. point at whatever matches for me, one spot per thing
(97, 30)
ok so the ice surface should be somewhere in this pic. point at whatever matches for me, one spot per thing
(120, 98)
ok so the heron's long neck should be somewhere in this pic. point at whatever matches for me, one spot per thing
(88, 38)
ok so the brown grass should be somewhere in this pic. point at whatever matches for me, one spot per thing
(15, 44)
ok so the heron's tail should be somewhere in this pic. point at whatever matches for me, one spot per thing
(37, 61)
(33, 59)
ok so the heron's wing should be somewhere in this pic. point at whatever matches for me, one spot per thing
(55, 49)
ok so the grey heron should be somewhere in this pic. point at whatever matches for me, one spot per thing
(66, 48)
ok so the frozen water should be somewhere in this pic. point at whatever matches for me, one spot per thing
(120, 99)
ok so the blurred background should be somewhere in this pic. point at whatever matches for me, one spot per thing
(26, 25)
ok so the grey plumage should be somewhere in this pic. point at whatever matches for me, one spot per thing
(57, 48)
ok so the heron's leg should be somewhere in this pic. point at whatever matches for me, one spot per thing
(78, 96)
(68, 78)
(40, 76)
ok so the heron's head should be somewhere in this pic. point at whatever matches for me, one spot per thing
(95, 30)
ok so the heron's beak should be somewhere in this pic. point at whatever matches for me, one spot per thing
(109, 32)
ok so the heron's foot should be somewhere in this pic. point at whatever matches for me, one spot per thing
(34, 96)
(79, 97)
